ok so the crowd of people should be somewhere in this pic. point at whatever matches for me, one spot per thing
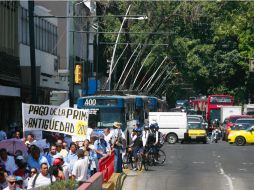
(66, 160)
(61, 160)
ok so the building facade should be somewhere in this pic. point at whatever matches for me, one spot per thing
(10, 85)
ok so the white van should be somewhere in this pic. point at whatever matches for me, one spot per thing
(172, 124)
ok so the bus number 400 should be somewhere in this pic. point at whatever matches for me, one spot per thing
(90, 102)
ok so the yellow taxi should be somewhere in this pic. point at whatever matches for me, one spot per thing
(196, 132)
(241, 137)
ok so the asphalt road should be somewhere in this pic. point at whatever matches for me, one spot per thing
(198, 167)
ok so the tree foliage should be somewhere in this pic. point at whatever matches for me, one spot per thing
(210, 43)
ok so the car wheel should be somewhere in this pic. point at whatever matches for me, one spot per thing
(172, 138)
(240, 141)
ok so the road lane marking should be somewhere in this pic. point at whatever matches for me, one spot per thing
(230, 183)
(243, 169)
(244, 163)
(198, 162)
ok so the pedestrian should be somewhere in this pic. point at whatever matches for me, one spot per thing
(59, 161)
(60, 149)
(101, 147)
(16, 135)
(51, 154)
(58, 165)
(19, 182)
(93, 161)
(8, 161)
(41, 179)
(117, 145)
(35, 159)
(3, 181)
(80, 167)
(22, 167)
(3, 135)
(33, 172)
(107, 135)
(71, 156)
(30, 139)
(11, 183)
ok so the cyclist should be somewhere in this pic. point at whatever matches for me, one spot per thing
(145, 135)
(136, 147)
(153, 138)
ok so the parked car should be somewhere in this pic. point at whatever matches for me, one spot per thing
(242, 137)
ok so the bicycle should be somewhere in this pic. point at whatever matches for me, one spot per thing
(155, 157)
(129, 160)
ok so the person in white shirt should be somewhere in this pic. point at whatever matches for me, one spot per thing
(8, 161)
(41, 179)
(79, 172)
(145, 135)
(107, 135)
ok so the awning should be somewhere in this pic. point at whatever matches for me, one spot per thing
(9, 91)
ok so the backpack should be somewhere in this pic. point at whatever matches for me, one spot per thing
(151, 138)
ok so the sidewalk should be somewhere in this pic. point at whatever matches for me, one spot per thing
(123, 181)
(130, 182)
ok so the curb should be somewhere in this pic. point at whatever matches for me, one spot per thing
(120, 181)
(115, 182)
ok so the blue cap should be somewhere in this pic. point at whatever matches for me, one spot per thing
(18, 178)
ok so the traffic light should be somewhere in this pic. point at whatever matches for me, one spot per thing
(78, 74)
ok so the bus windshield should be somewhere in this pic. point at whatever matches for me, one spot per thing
(106, 117)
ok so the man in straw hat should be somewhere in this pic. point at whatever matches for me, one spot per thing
(117, 144)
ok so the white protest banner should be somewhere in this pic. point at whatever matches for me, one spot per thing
(54, 119)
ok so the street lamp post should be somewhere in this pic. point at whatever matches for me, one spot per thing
(117, 39)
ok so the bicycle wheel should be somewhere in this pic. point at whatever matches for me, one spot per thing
(161, 157)
(150, 159)
(145, 162)
(129, 163)
(139, 162)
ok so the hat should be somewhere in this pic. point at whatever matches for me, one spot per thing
(11, 178)
(18, 178)
(19, 158)
(57, 162)
(58, 156)
(117, 125)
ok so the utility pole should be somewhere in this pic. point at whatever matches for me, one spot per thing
(114, 51)
(32, 51)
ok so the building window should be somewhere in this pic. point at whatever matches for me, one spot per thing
(45, 33)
